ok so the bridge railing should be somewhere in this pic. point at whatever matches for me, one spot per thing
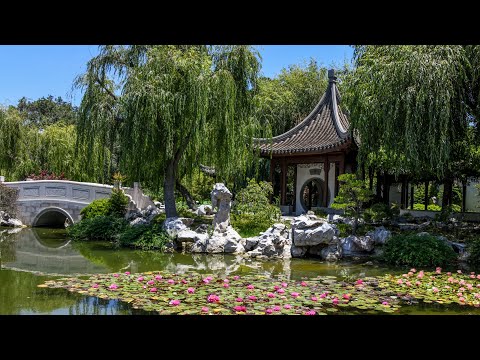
(60, 190)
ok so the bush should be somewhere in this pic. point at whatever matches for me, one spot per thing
(100, 207)
(345, 230)
(118, 203)
(100, 228)
(378, 212)
(320, 213)
(248, 225)
(252, 212)
(430, 207)
(145, 237)
(473, 247)
(418, 251)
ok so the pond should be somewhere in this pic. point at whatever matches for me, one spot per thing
(29, 257)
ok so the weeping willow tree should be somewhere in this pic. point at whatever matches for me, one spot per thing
(169, 108)
(11, 137)
(411, 107)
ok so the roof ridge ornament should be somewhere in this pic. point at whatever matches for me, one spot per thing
(331, 76)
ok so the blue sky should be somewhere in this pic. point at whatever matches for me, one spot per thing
(41, 70)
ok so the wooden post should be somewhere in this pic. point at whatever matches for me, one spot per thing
(464, 196)
(412, 199)
(283, 183)
(326, 166)
(426, 195)
(272, 177)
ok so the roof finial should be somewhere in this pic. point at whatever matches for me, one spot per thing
(331, 76)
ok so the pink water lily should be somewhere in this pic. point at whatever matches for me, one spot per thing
(314, 298)
(171, 281)
(250, 287)
(438, 270)
(209, 278)
(271, 295)
(204, 309)
(127, 272)
(461, 299)
(461, 289)
(385, 303)
(184, 281)
(410, 273)
(240, 308)
(450, 279)
(226, 281)
(399, 281)
(281, 291)
(469, 286)
(140, 278)
(268, 311)
(303, 283)
(449, 273)
(153, 290)
(174, 302)
(459, 271)
(113, 287)
(478, 276)
(150, 282)
(346, 296)
(116, 275)
(294, 294)
(236, 277)
(206, 281)
(191, 290)
(225, 285)
(418, 283)
(435, 290)
(408, 283)
(284, 284)
(359, 282)
(310, 312)
(158, 277)
(277, 308)
(323, 295)
(287, 306)
(276, 287)
(335, 301)
(472, 276)
(212, 298)
(239, 299)
(95, 286)
(413, 270)
(477, 296)
(252, 298)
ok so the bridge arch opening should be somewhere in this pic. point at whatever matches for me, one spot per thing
(52, 217)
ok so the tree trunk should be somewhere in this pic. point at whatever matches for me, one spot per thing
(186, 195)
(169, 189)
(447, 192)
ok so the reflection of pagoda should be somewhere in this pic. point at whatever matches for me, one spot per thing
(313, 154)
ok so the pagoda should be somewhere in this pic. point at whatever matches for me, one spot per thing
(306, 160)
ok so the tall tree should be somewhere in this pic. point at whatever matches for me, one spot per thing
(289, 97)
(412, 106)
(170, 108)
(46, 111)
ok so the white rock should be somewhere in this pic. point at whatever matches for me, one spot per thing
(304, 221)
(314, 236)
(298, 251)
(380, 235)
(357, 245)
(187, 236)
(272, 242)
(174, 225)
(138, 221)
(204, 210)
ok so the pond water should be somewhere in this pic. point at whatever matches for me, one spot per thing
(31, 256)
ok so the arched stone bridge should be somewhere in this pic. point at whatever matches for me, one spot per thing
(51, 202)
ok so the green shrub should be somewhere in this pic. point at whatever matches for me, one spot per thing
(145, 237)
(377, 212)
(345, 229)
(430, 207)
(100, 207)
(184, 211)
(100, 228)
(118, 203)
(473, 247)
(8, 199)
(320, 213)
(248, 225)
(252, 212)
(416, 250)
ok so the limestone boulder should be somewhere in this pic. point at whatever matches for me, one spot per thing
(204, 210)
(311, 236)
(274, 242)
(298, 251)
(174, 225)
(138, 221)
(380, 235)
(357, 245)
(306, 221)
(332, 252)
